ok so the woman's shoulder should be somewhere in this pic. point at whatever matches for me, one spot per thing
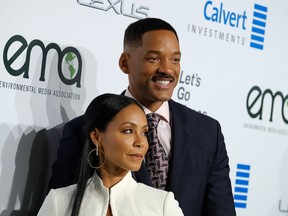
(145, 189)
(162, 200)
(62, 193)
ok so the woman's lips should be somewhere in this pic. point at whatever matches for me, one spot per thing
(136, 156)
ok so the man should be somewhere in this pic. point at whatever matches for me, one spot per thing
(198, 171)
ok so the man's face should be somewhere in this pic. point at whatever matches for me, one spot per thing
(153, 68)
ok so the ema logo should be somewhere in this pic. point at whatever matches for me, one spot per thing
(71, 56)
(241, 185)
(258, 26)
(255, 103)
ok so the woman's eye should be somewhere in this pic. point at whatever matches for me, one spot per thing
(128, 131)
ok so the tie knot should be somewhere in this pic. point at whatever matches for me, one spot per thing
(153, 119)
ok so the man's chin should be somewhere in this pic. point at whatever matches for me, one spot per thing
(163, 97)
(155, 97)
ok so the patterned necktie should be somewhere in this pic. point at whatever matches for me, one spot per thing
(156, 158)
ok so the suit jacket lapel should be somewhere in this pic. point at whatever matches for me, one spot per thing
(179, 144)
(142, 175)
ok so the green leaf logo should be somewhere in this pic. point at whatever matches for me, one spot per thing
(69, 58)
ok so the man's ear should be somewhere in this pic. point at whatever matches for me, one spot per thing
(123, 62)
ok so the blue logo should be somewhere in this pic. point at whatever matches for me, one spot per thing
(224, 16)
(258, 26)
(241, 185)
(233, 19)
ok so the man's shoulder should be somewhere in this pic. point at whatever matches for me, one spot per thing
(75, 123)
(188, 113)
(176, 107)
(77, 120)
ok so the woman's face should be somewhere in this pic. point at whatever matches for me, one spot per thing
(124, 141)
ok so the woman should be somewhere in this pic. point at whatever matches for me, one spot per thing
(116, 129)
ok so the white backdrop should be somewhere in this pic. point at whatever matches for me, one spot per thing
(223, 75)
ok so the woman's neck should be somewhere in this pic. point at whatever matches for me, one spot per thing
(110, 179)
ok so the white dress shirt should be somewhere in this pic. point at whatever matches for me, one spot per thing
(126, 198)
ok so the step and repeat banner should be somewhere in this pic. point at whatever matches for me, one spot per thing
(56, 56)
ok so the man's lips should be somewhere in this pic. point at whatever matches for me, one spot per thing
(162, 77)
(162, 82)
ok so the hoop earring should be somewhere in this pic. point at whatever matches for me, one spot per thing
(96, 151)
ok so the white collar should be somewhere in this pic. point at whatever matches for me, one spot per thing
(127, 183)
(163, 110)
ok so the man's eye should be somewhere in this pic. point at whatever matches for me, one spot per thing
(176, 60)
(153, 59)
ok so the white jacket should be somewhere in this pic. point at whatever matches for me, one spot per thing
(127, 198)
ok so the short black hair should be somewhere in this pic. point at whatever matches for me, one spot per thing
(134, 32)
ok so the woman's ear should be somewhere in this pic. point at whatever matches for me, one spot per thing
(95, 136)
(123, 62)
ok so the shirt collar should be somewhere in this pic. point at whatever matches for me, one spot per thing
(163, 110)
(124, 185)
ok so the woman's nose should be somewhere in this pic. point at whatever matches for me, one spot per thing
(140, 141)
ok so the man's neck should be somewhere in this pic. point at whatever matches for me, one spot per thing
(152, 106)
